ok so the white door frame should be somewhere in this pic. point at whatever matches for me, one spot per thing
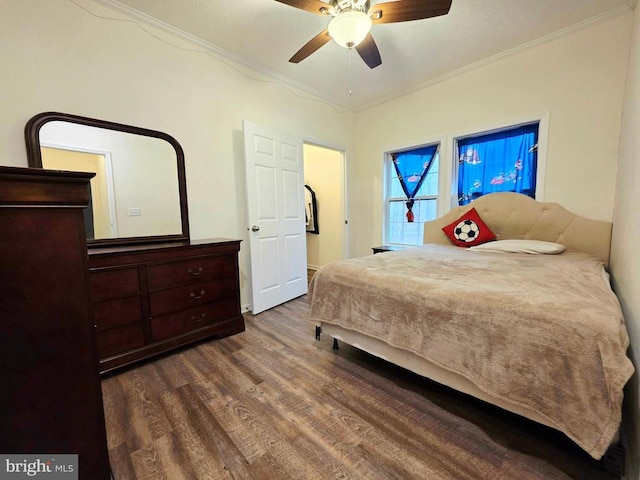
(108, 172)
(345, 199)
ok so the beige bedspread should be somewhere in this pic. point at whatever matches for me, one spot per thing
(543, 331)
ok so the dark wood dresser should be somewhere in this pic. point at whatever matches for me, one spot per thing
(50, 395)
(150, 299)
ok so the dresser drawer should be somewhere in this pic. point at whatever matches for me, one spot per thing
(151, 299)
(121, 339)
(113, 283)
(117, 312)
(167, 326)
(195, 269)
(179, 298)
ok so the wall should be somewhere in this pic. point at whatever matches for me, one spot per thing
(61, 57)
(576, 81)
(625, 260)
(324, 173)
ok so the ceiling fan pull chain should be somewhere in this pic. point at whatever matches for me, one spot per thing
(350, 70)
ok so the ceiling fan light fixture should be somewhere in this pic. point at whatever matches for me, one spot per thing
(349, 28)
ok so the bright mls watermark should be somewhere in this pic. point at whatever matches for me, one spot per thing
(45, 466)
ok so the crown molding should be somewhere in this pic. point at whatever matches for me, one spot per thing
(226, 57)
(507, 53)
(234, 61)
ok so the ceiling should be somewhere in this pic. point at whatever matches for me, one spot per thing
(265, 34)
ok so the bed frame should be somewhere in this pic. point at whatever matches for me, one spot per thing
(509, 216)
(516, 216)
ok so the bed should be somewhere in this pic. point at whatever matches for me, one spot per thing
(539, 335)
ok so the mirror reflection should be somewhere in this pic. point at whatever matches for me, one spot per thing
(135, 190)
(138, 194)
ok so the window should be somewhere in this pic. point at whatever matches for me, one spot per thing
(501, 161)
(398, 229)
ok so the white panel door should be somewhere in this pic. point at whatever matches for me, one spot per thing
(275, 198)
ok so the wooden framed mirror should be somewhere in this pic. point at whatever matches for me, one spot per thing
(139, 193)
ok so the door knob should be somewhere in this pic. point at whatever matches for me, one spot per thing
(255, 229)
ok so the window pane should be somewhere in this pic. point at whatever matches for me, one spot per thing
(432, 184)
(396, 232)
(396, 188)
(397, 211)
(427, 210)
(412, 233)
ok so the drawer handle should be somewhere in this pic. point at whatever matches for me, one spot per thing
(196, 297)
(195, 273)
(197, 318)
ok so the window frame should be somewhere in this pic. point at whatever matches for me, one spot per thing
(543, 133)
(387, 177)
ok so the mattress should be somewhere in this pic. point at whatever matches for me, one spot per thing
(541, 333)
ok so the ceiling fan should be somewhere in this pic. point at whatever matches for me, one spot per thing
(352, 20)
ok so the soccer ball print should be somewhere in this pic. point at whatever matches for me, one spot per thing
(466, 231)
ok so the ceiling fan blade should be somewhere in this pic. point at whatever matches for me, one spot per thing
(407, 10)
(313, 6)
(369, 52)
(311, 46)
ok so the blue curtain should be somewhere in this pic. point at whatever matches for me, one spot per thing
(412, 168)
(504, 161)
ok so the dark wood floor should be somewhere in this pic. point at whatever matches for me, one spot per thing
(272, 403)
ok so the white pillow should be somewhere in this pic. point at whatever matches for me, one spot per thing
(521, 246)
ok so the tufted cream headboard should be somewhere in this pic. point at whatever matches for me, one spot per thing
(517, 216)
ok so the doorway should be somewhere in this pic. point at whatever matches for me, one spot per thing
(100, 215)
(325, 174)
